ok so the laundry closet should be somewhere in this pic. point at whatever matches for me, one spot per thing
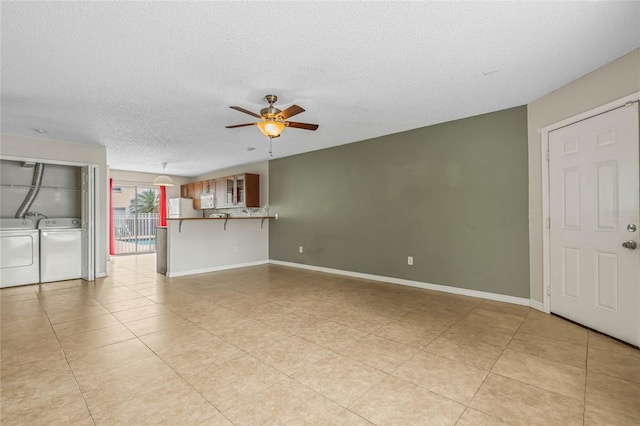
(40, 222)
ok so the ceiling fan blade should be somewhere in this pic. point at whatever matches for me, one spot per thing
(291, 111)
(237, 108)
(305, 126)
(240, 125)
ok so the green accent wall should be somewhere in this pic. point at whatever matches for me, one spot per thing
(453, 195)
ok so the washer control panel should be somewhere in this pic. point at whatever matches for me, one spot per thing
(16, 224)
(59, 223)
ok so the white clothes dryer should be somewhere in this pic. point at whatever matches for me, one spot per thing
(19, 252)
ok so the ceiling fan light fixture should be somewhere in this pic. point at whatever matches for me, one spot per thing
(273, 119)
(271, 128)
(163, 180)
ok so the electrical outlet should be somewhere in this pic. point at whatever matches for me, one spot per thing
(237, 249)
(300, 249)
(410, 260)
(276, 216)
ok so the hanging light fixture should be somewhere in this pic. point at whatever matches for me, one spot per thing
(271, 128)
(163, 180)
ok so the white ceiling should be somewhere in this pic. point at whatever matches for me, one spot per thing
(152, 81)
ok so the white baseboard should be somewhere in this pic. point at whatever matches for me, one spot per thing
(427, 286)
(215, 268)
(101, 275)
(537, 305)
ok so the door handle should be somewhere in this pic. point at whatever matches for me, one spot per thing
(631, 245)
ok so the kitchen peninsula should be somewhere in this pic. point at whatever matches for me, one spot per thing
(199, 245)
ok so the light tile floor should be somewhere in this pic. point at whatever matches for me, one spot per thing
(276, 345)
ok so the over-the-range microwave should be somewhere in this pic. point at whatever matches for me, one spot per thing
(206, 201)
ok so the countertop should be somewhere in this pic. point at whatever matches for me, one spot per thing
(221, 218)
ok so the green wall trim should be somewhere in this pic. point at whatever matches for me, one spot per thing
(452, 195)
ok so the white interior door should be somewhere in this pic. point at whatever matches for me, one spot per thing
(88, 222)
(594, 209)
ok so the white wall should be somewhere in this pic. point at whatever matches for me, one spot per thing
(203, 245)
(59, 196)
(613, 81)
(14, 147)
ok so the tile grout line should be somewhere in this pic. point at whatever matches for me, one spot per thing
(333, 352)
(194, 292)
(186, 379)
(392, 374)
(538, 387)
(493, 365)
(73, 374)
(136, 338)
(586, 378)
(172, 369)
(578, 344)
(586, 383)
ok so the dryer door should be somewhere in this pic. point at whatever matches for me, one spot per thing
(17, 250)
(19, 262)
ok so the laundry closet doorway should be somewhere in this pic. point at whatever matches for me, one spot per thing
(48, 190)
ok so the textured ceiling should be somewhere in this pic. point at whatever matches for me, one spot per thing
(152, 81)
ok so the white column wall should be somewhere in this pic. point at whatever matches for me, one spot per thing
(204, 246)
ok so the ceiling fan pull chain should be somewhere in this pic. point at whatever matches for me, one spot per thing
(270, 146)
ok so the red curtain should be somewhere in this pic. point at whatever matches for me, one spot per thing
(163, 206)
(112, 250)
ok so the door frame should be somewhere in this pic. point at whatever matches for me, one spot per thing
(544, 139)
(136, 185)
(88, 211)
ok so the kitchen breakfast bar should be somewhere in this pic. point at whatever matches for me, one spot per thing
(199, 245)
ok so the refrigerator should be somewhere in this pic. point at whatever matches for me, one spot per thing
(181, 208)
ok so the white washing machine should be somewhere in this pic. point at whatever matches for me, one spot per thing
(19, 252)
(60, 249)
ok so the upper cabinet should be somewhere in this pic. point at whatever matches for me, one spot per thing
(241, 198)
(248, 190)
(186, 190)
(231, 191)
(197, 190)
(208, 186)
(224, 192)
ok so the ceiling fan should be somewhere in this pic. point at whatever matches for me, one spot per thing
(274, 120)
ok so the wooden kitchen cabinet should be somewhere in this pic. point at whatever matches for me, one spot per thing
(197, 190)
(208, 186)
(186, 190)
(248, 190)
(225, 192)
(232, 191)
